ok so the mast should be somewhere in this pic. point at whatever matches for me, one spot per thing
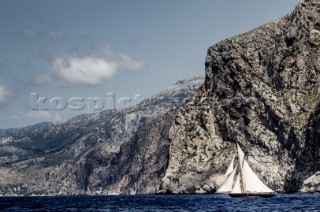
(241, 160)
(236, 187)
(230, 167)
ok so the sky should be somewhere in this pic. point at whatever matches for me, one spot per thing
(62, 58)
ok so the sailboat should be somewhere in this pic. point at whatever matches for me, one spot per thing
(247, 183)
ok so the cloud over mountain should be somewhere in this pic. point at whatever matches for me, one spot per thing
(92, 69)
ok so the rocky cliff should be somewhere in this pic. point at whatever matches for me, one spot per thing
(262, 91)
(116, 151)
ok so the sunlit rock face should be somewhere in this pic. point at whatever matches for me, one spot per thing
(262, 91)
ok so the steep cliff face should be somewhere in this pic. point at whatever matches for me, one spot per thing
(136, 167)
(262, 91)
(116, 151)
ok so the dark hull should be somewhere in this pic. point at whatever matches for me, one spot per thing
(252, 195)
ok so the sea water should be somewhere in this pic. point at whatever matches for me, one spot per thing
(282, 202)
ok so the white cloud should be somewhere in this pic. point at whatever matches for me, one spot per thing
(4, 93)
(87, 70)
(93, 69)
(128, 63)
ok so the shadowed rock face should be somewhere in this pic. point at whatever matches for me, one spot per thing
(262, 91)
(136, 168)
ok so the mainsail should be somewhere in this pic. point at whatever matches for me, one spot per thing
(246, 182)
(253, 183)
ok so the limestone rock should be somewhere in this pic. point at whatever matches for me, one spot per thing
(121, 151)
(312, 184)
(261, 90)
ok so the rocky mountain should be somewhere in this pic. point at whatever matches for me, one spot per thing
(262, 91)
(115, 151)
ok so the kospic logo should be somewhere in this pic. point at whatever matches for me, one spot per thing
(92, 104)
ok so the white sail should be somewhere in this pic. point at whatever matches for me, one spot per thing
(247, 181)
(252, 182)
(227, 185)
(240, 155)
(236, 188)
(230, 167)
